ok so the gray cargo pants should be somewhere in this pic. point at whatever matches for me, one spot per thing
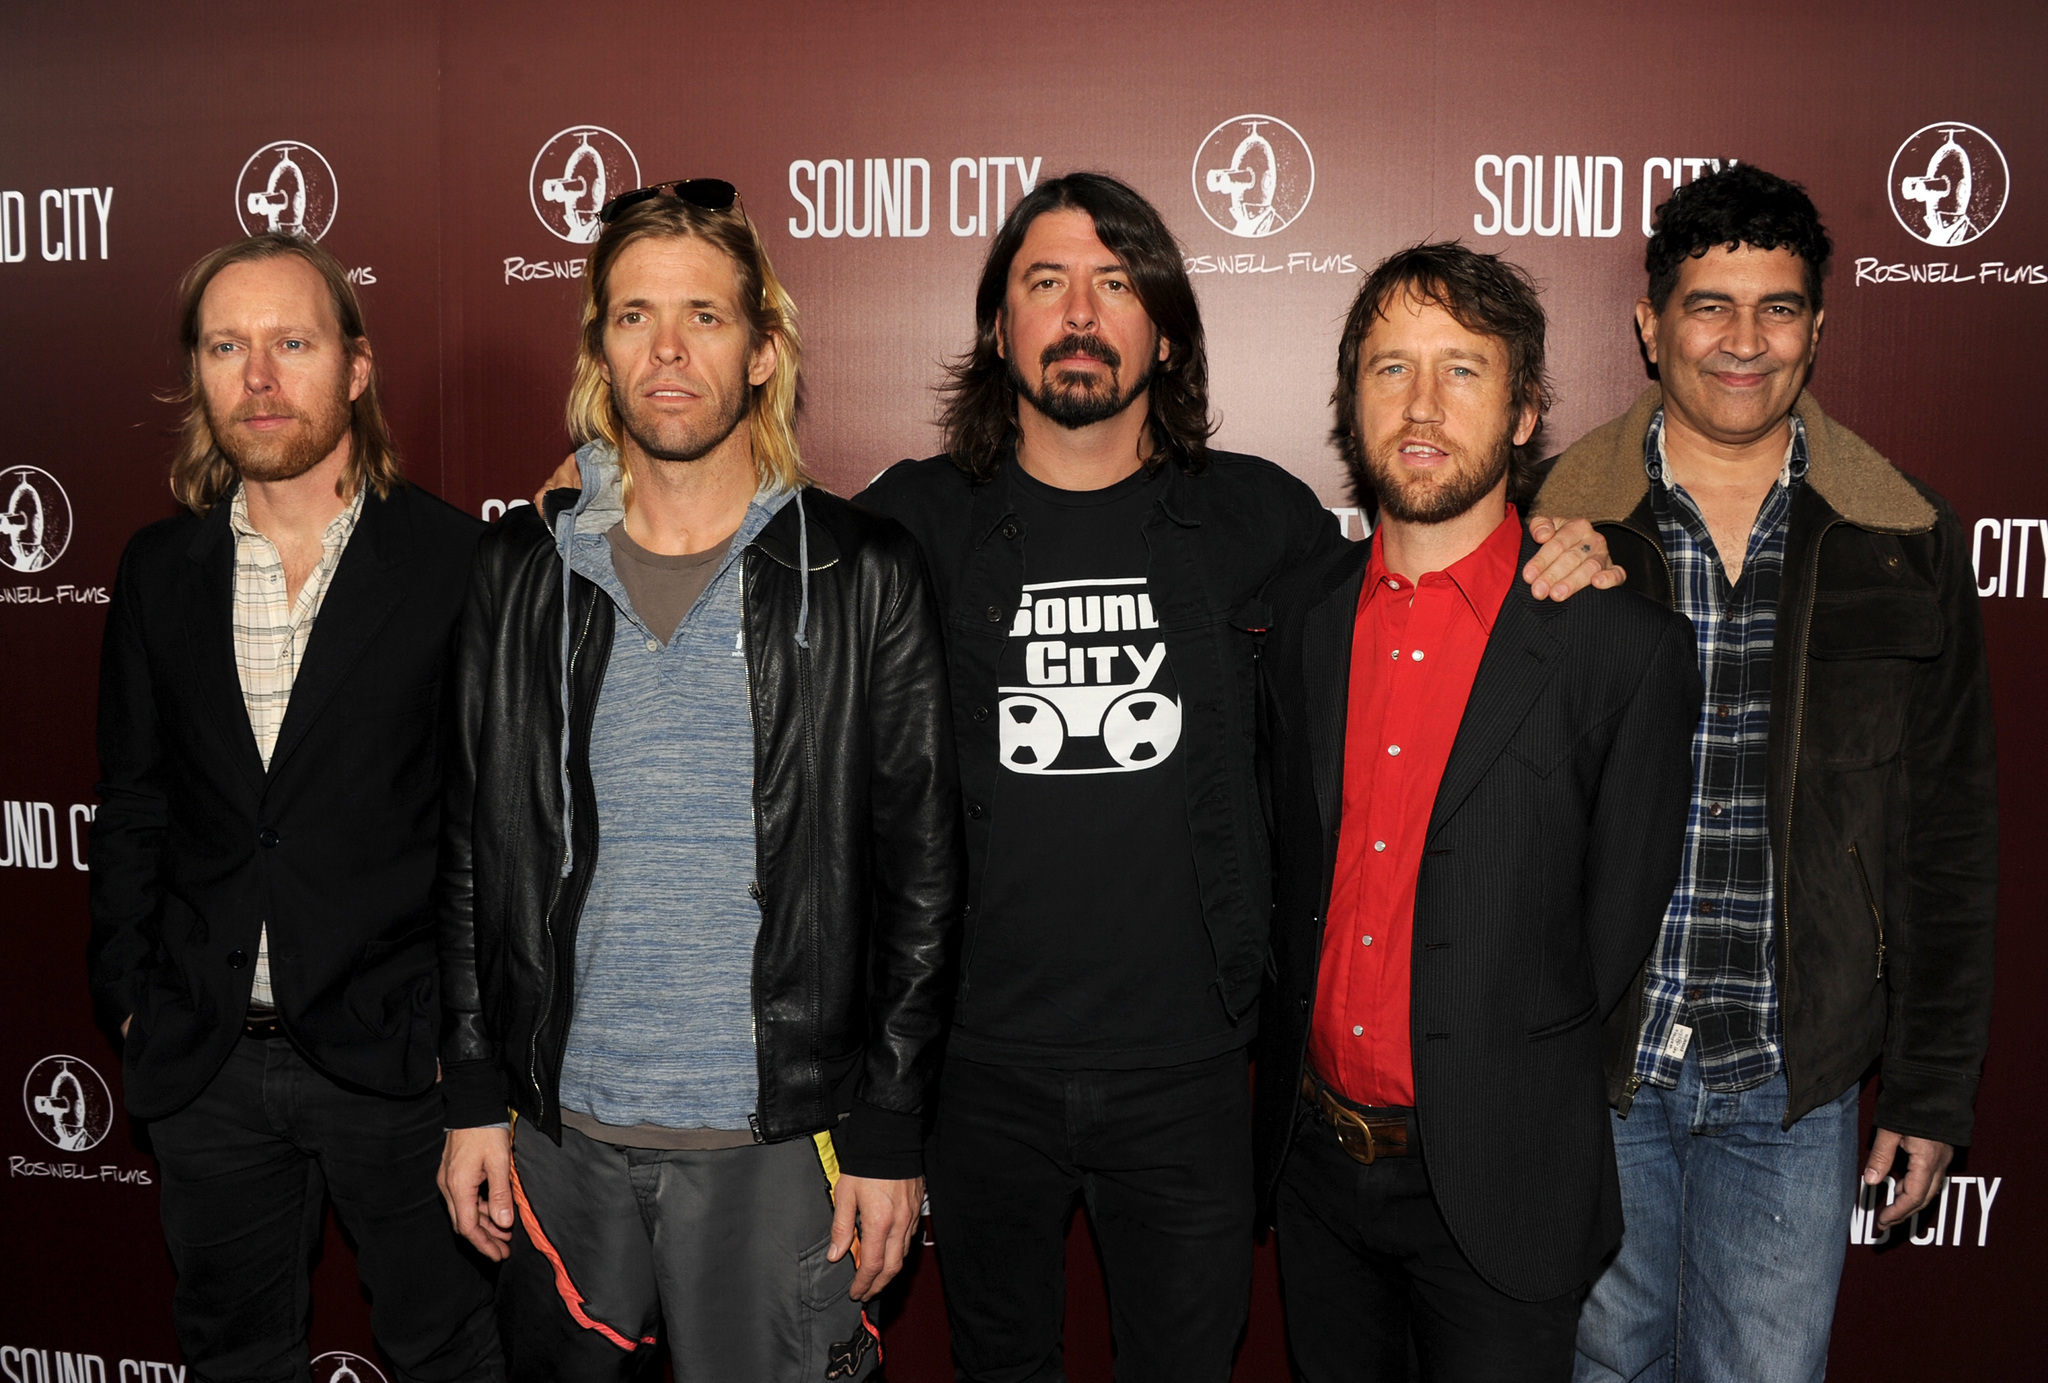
(722, 1253)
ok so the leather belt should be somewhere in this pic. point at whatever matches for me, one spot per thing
(1364, 1138)
(262, 1026)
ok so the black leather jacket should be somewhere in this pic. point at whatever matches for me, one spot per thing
(862, 872)
(1882, 791)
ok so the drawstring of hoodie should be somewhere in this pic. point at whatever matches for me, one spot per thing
(564, 537)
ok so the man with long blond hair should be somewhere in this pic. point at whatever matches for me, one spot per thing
(702, 857)
(263, 858)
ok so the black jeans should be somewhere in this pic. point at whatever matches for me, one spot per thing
(1162, 1160)
(1368, 1268)
(247, 1169)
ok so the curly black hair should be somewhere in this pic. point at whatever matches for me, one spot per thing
(1740, 205)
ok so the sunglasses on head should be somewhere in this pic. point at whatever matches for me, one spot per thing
(712, 194)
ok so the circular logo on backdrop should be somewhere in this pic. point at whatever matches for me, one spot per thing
(1254, 175)
(35, 518)
(67, 1102)
(575, 174)
(339, 1366)
(289, 187)
(1948, 183)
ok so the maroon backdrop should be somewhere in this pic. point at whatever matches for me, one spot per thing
(447, 150)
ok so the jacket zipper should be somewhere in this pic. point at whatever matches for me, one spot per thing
(1869, 901)
(547, 918)
(754, 813)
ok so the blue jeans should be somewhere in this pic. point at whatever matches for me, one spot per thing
(1736, 1230)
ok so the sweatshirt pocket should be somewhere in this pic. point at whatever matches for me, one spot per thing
(1870, 902)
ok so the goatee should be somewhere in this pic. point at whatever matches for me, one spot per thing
(1075, 400)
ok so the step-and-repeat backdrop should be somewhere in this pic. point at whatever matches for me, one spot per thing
(452, 153)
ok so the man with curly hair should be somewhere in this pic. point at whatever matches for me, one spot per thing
(1836, 905)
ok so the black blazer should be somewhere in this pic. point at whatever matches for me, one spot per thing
(195, 847)
(1551, 853)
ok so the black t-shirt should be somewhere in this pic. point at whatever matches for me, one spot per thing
(1090, 948)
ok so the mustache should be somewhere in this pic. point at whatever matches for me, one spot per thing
(266, 408)
(1429, 434)
(1723, 363)
(1076, 343)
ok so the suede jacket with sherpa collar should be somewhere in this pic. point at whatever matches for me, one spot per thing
(1882, 797)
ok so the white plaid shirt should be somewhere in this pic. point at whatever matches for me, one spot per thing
(271, 634)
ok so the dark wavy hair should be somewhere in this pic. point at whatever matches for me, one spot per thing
(1740, 205)
(979, 412)
(1487, 295)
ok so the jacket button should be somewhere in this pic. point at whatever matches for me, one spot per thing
(266, 838)
(995, 616)
(1010, 529)
(1304, 1003)
(981, 713)
(975, 811)
(237, 959)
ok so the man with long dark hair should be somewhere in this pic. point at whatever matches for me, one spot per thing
(1100, 568)
(262, 860)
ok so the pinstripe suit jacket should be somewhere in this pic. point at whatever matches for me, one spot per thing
(1552, 849)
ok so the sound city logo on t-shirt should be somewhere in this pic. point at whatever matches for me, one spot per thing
(1095, 696)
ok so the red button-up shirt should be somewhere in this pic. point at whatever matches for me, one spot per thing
(1414, 652)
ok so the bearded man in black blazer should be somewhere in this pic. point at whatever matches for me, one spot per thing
(1478, 801)
(269, 736)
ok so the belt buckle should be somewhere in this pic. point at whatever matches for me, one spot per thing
(1354, 1135)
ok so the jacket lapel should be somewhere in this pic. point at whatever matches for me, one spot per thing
(1521, 657)
(368, 585)
(1326, 680)
(210, 639)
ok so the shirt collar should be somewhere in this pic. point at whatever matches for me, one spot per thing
(336, 535)
(1655, 460)
(1482, 576)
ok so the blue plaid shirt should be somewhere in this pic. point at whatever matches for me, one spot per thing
(1711, 971)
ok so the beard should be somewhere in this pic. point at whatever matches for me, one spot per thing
(1431, 499)
(291, 453)
(1070, 398)
(676, 439)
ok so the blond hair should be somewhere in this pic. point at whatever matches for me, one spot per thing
(770, 312)
(200, 473)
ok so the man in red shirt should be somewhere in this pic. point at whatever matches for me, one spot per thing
(1479, 801)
